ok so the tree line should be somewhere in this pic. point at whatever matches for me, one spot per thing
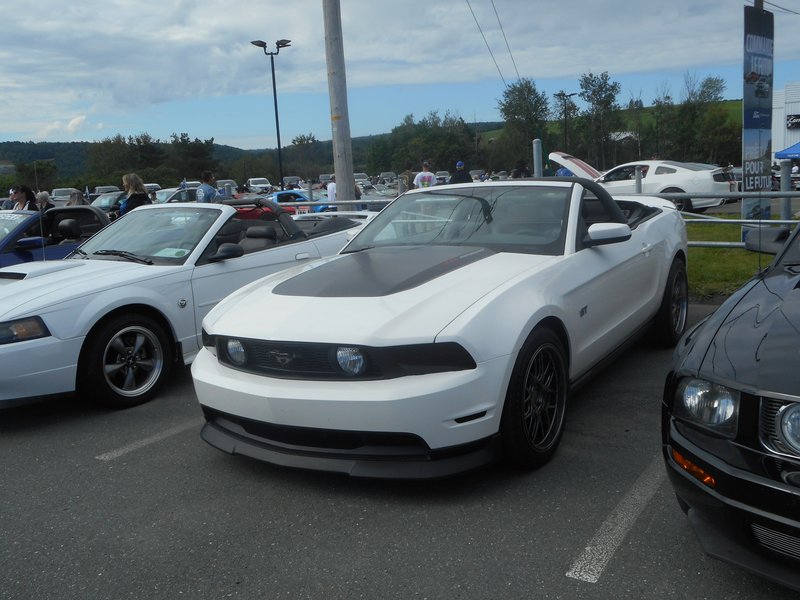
(699, 127)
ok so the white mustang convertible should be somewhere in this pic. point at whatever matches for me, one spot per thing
(110, 320)
(449, 332)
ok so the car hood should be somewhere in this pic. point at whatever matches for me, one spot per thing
(753, 344)
(373, 297)
(576, 165)
(30, 286)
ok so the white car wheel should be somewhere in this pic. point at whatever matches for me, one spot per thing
(127, 360)
(671, 318)
(536, 400)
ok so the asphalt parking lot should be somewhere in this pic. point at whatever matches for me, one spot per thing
(132, 504)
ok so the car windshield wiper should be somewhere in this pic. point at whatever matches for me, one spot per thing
(358, 250)
(124, 254)
(79, 251)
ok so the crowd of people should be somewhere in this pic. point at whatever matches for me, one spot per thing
(22, 197)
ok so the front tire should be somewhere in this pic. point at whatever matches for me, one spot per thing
(536, 400)
(670, 320)
(127, 360)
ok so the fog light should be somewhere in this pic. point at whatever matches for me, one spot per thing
(236, 352)
(351, 360)
(693, 469)
(790, 425)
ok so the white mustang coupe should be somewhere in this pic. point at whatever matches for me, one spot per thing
(110, 320)
(449, 332)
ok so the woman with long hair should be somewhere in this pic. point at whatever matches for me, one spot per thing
(136, 194)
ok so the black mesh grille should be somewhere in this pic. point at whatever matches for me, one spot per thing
(777, 541)
(768, 428)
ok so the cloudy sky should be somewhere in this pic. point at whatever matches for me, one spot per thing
(84, 71)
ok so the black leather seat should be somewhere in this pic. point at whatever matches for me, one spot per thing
(259, 237)
(69, 230)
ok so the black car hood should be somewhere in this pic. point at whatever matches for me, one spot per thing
(754, 338)
(380, 271)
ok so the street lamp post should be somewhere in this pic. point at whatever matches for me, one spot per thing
(564, 97)
(278, 45)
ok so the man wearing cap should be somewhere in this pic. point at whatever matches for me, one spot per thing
(460, 175)
(425, 178)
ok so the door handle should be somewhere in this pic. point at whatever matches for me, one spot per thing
(301, 256)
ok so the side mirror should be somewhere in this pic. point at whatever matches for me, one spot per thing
(601, 234)
(767, 240)
(226, 251)
(31, 242)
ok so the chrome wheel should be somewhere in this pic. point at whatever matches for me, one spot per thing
(133, 361)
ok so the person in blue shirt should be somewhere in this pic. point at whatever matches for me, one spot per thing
(207, 192)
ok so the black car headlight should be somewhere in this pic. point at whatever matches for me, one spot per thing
(22, 330)
(707, 404)
(789, 426)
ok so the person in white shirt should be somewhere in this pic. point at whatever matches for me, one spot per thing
(332, 189)
(425, 178)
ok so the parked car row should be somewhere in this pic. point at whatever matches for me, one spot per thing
(480, 309)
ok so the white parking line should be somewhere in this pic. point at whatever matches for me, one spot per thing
(590, 564)
(150, 440)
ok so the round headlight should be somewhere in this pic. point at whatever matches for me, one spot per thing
(790, 426)
(708, 404)
(236, 352)
(351, 360)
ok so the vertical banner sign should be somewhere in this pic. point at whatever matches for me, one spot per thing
(757, 106)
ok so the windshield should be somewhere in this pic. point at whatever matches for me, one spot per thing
(164, 236)
(107, 200)
(10, 221)
(527, 219)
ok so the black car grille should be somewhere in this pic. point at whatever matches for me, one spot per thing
(768, 428)
(777, 541)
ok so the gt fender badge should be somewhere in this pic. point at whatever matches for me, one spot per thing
(582, 312)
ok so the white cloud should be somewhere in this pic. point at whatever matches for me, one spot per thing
(121, 58)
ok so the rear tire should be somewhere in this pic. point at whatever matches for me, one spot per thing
(684, 204)
(536, 399)
(127, 360)
(670, 320)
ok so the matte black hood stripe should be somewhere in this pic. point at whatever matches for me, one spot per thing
(380, 271)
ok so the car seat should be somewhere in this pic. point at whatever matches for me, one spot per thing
(259, 237)
(69, 230)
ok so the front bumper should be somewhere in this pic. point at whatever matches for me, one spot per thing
(412, 427)
(746, 519)
(37, 368)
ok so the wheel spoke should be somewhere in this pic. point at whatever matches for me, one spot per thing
(138, 343)
(118, 346)
(113, 368)
(130, 380)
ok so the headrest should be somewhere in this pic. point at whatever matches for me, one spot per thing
(262, 231)
(69, 228)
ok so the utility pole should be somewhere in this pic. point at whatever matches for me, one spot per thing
(337, 90)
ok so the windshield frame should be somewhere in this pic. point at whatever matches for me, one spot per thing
(164, 236)
(484, 215)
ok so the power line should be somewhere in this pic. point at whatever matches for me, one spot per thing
(786, 10)
(506, 40)
(487, 44)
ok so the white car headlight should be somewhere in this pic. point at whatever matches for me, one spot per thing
(236, 351)
(709, 405)
(22, 330)
(789, 425)
(351, 360)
